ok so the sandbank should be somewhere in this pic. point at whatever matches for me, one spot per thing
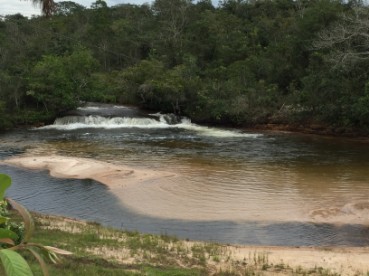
(82, 168)
(168, 195)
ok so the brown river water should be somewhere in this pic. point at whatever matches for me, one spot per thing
(229, 186)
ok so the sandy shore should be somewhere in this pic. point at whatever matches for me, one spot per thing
(341, 260)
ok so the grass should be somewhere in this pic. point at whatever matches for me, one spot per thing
(103, 251)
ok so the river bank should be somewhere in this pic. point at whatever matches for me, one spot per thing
(313, 129)
(131, 253)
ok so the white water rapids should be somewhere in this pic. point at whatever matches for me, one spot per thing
(162, 121)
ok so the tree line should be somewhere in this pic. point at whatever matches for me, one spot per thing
(240, 63)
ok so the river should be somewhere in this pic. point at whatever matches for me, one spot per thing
(231, 186)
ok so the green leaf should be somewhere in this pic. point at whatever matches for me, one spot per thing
(6, 233)
(29, 224)
(14, 264)
(5, 182)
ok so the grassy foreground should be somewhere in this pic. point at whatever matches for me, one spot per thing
(103, 251)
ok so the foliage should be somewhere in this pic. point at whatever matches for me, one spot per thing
(242, 62)
(4, 120)
(60, 82)
(16, 237)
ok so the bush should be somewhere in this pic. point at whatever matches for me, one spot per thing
(15, 237)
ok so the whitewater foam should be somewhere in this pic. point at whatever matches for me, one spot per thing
(94, 121)
(98, 108)
(89, 108)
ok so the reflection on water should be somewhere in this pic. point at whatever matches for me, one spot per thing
(277, 189)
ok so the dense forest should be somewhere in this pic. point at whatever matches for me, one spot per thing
(242, 63)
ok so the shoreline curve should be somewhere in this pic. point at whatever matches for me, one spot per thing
(111, 175)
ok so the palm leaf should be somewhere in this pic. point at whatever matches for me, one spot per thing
(47, 6)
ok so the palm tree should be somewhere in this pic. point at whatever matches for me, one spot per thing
(47, 6)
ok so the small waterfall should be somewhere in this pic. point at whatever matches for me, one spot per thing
(156, 121)
(95, 121)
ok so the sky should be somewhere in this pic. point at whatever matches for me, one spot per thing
(26, 7)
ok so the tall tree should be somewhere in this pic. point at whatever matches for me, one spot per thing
(47, 6)
(173, 17)
(347, 39)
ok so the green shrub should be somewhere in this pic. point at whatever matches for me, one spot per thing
(15, 237)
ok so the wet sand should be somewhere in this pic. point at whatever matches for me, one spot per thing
(343, 260)
(167, 195)
(112, 175)
(163, 194)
